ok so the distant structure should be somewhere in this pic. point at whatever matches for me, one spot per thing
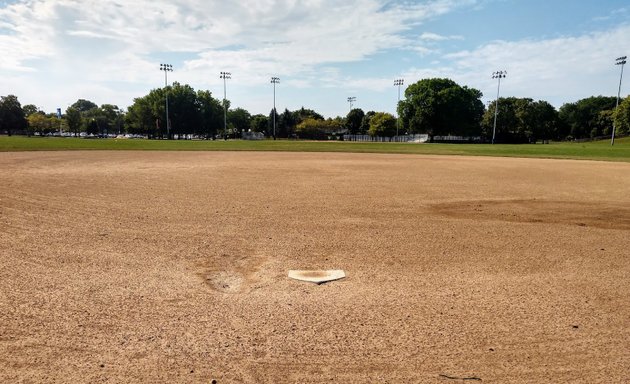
(253, 136)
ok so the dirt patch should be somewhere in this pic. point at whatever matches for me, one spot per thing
(143, 267)
(605, 215)
(227, 282)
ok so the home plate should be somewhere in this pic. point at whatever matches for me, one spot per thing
(317, 277)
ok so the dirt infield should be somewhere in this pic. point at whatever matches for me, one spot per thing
(172, 267)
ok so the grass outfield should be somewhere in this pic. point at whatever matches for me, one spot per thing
(599, 150)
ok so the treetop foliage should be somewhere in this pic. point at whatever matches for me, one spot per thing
(441, 107)
(435, 106)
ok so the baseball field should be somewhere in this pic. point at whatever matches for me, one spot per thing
(147, 266)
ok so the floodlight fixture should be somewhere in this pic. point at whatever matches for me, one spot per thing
(351, 100)
(225, 76)
(618, 61)
(497, 75)
(398, 83)
(274, 81)
(166, 68)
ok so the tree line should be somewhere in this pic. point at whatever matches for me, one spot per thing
(436, 107)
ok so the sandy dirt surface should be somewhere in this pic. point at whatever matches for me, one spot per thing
(148, 267)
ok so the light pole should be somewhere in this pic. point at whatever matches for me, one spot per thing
(619, 61)
(225, 76)
(351, 100)
(497, 75)
(398, 82)
(274, 81)
(167, 68)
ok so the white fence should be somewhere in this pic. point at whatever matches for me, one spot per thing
(457, 139)
(421, 138)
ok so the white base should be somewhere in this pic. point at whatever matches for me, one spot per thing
(317, 277)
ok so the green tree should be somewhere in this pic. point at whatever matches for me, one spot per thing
(603, 123)
(84, 105)
(441, 107)
(304, 113)
(507, 123)
(183, 110)
(74, 120)
(546, 121)
(521, 120)
(240, 119)
(354, 120)
(12, 117)
(583, 118)
(211, 114)
(139, 119)
(622, 117)
(92, 118)
(287, 124)
(39, 122)
(382, 124)
(114, 118)
(336, 127)
(95, 122)
(29, 109)
(260, 123)
(313, 129)
(365, 122)
(287, 120)
(190, 112)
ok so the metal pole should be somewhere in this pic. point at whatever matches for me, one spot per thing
(496, 111)
(274, 81)
(166, 68)
(224, 110)
(225, 76)
(168, 124)
(274, 110)
(497, 75)
(398, 82)
(620, 61)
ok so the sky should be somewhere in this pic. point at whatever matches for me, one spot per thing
(54, 52)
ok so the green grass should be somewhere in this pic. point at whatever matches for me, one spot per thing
(599, 150)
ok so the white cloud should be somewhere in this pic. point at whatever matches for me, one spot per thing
(620, 12)
(558, 70)
(56, 51)
(428, 36)
(107, 42)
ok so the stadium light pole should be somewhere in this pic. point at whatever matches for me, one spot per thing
(274, 81)
(619, 61)
(351, 100)
(225, 76)
(167, 68)
(398, 82)
(497, 75)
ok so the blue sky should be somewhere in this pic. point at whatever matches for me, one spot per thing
(57, 51)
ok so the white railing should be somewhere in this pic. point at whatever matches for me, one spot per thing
(418, 138)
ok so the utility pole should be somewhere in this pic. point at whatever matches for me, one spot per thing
(497, 75)
(225, 76)
(398, 82)
(274, 81)
(167, 68)
(619, 61)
